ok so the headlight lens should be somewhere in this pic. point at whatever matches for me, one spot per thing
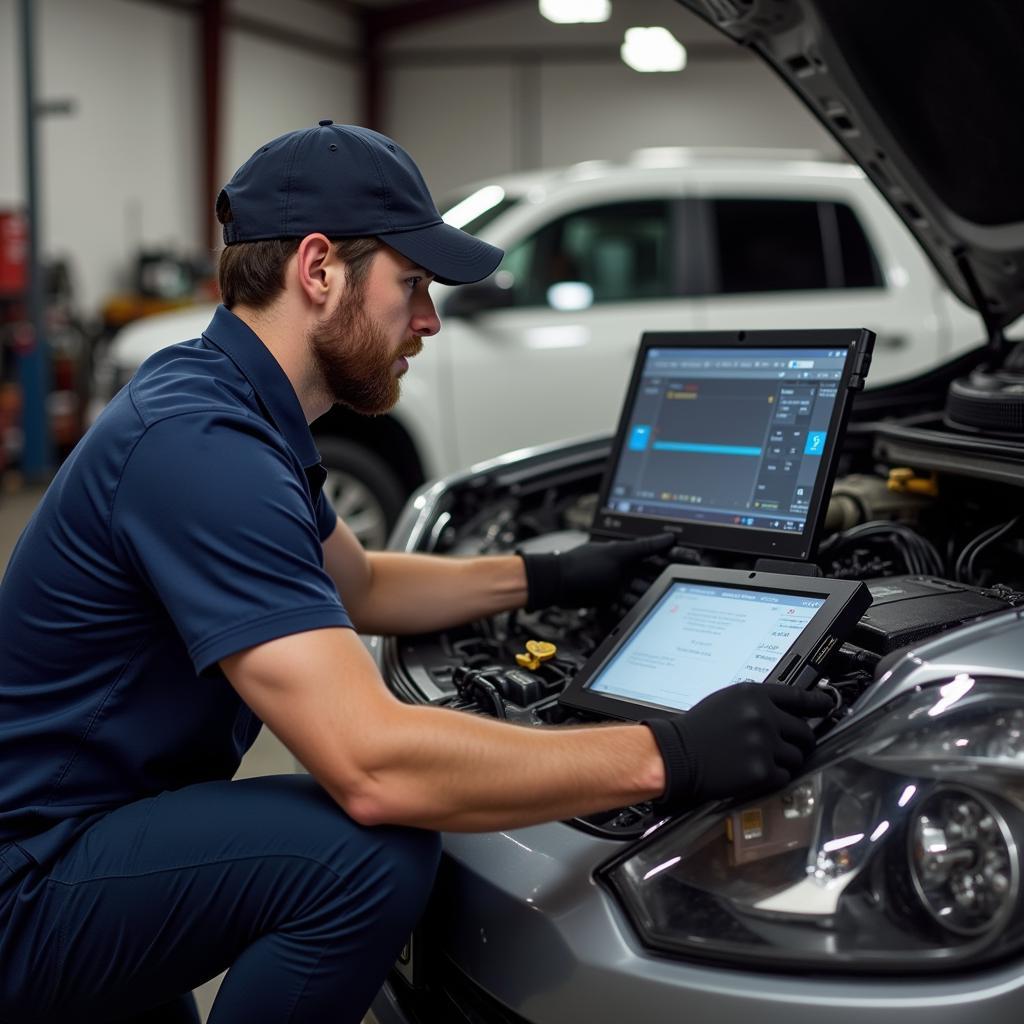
(963, 861)
(898, 852)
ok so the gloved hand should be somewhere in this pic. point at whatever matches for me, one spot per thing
(738, 741)
(590, 575)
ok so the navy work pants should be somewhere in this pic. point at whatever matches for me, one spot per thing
(265, 877)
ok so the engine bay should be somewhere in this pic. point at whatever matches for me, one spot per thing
(936, 550)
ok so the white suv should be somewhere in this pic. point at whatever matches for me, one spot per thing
(595, 255)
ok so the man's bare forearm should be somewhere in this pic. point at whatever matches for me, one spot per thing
(443, 769)
(418, 593)
(386, 762)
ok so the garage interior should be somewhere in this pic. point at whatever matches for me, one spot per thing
(120, 120)
(144, 107)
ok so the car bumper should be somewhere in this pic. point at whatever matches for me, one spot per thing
(535, 939)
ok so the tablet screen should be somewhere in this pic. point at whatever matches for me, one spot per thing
(699, 638)
(728, 437)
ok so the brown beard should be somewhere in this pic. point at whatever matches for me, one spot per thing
(354, 359)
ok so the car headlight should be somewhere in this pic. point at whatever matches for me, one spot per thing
(897, 851)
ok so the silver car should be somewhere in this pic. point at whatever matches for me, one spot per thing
(885, 883)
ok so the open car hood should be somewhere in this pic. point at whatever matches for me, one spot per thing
(925, 95)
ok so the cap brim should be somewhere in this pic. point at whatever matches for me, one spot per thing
(451, 255)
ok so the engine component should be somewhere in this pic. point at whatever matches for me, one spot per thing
(966, 563)
(521, 688)
(907, 609)
(903, 480)
(992, 402)
(917, 554)
(537, 651)
(861, 497)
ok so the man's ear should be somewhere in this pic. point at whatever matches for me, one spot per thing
(318, 268)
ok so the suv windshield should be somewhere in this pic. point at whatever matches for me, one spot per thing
(474, 209)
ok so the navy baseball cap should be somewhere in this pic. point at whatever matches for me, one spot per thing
(349, 182)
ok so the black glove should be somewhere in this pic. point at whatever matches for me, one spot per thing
(589, 575)
(738, 741)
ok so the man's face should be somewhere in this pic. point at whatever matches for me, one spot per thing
(362, 348)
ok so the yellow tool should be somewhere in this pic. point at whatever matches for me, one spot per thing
(536, 652)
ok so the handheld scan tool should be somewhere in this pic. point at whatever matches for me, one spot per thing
(697, 630)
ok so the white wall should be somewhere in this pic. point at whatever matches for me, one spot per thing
(273, 85)
(11, 172)
(711, 103)
(459, 123)
(270, 89)
(504, 92)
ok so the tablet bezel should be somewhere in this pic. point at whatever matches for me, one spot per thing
(728, 537)
(845, 602)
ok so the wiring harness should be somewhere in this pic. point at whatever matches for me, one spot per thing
(918, 555)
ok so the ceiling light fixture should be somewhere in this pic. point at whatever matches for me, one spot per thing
(575, 12)
(653, 49)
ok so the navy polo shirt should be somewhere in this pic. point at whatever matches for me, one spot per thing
(185, 526)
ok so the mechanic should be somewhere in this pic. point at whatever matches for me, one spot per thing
(184, 580)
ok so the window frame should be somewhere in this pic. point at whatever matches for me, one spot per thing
(678, 250)
(708, 279)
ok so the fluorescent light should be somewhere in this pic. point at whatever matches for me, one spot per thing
(575, 12)
(653, 49)
(482, 200)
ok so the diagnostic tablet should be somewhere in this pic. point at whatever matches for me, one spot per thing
(697, 630)
(730, 439)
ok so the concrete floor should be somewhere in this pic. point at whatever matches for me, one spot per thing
(267, 756)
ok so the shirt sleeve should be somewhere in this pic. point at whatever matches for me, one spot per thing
(326, 517)
(215, 515)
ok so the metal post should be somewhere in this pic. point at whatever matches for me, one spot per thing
(34, 366)
(211, 22)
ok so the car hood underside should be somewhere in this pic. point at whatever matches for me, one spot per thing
(926, 96)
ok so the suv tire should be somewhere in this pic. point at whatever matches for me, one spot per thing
(363, 488)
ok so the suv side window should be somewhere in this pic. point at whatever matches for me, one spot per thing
(622, 251)
(770, 245)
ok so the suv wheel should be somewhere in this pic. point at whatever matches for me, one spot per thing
(363, 489)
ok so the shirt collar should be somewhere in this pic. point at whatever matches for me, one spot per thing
(273, 388)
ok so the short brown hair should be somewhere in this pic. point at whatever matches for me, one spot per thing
(252, 273)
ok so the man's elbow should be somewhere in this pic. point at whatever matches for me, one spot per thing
(368, 777)
(367, 811)
(366, 802)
